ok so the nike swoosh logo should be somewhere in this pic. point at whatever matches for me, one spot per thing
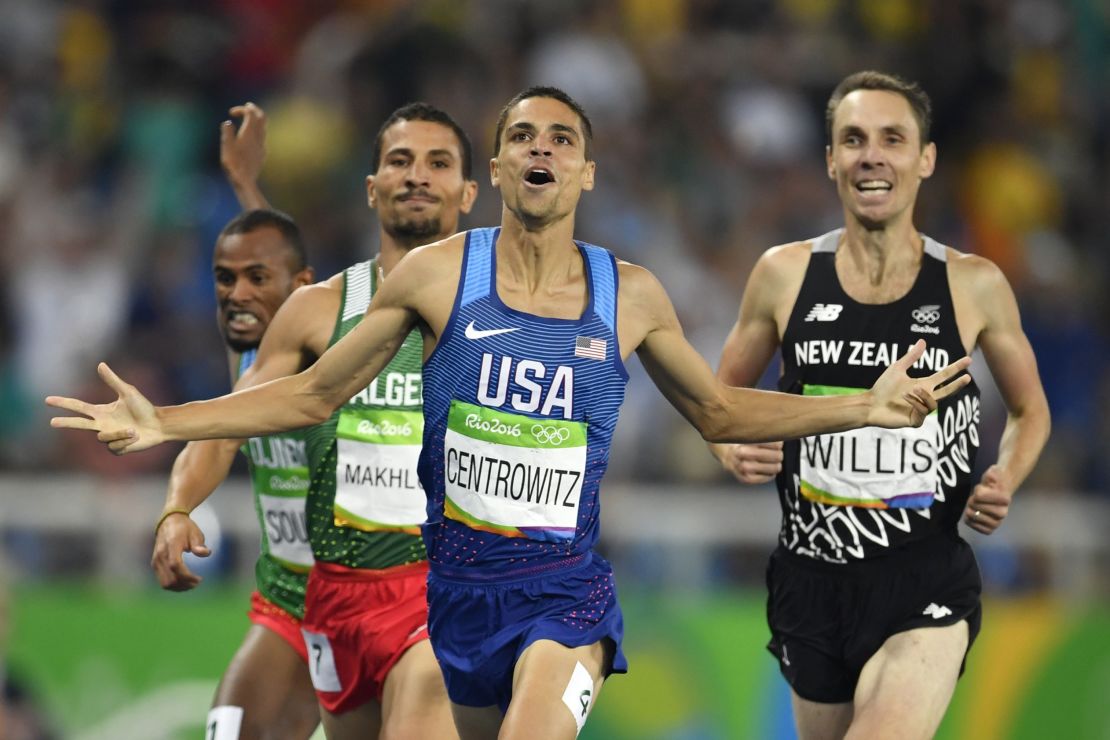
(474, 333)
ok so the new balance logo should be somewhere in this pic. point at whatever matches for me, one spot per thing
(824, 312)
(936, 612)
(474, 333)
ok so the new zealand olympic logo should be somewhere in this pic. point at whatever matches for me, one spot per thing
(926, 314)
(550, 435)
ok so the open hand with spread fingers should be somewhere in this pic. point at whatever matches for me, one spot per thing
(128, 424)
(901, 401)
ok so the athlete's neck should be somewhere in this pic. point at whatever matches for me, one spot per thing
(534, 258)
(874, 253)
(393, 250)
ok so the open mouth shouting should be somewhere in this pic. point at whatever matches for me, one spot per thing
(539, 176)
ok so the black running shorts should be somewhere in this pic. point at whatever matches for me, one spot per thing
(827, 620)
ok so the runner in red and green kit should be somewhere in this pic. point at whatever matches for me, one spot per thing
(366, 604)
(256, 267)
(365, 620)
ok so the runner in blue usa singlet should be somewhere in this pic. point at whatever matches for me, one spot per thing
(519, 415)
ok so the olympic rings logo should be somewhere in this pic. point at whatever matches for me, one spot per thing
(926, 314)
(552, 435)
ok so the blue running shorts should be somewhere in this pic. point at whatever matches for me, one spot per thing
(479, 630)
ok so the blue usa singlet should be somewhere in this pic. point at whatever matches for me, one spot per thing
(519, 413)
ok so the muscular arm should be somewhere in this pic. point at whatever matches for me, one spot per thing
(309, 397)
(750, 345)
(297, 334)
(727, 414)
(1014, 367)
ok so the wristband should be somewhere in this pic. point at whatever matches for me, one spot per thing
(166, 514)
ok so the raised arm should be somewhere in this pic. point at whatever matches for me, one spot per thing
(131, 423)
(242, 153)
(727, 414)
(1014, 367)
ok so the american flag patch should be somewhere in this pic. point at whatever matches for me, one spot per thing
(589, 347)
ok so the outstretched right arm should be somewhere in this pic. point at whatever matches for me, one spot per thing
(131, 423)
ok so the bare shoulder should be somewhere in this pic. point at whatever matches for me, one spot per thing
(305, 322)
(426, 280)
(975, 276)
(312, 299)
(638, 284)
(783, 263)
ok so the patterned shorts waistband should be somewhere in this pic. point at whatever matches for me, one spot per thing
(912, 551)
(483, 576)
(336, 572)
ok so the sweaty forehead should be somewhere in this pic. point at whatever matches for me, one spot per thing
(420, 136)
(868, 109)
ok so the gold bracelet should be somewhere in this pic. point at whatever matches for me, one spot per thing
(166, 514)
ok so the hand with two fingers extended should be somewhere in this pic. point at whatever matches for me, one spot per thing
(900, 401)
(989, 502)
(128, 424)
(177, 535)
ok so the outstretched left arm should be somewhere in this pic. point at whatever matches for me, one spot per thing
(725, 414)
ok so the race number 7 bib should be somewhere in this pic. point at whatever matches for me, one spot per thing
(376, 487)
(513, 475)
(870, 467)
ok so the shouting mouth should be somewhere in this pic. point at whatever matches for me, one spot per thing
(539, 176)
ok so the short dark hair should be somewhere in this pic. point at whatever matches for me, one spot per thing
(425, 112)
(540, 91)
(258, 218)
(870, 79)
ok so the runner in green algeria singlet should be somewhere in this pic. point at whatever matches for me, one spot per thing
(366, 505)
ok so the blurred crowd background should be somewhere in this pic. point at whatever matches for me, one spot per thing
(709, 124)
(709, 118)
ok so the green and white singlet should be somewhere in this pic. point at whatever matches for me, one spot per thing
(279, 479)
(366, 506)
